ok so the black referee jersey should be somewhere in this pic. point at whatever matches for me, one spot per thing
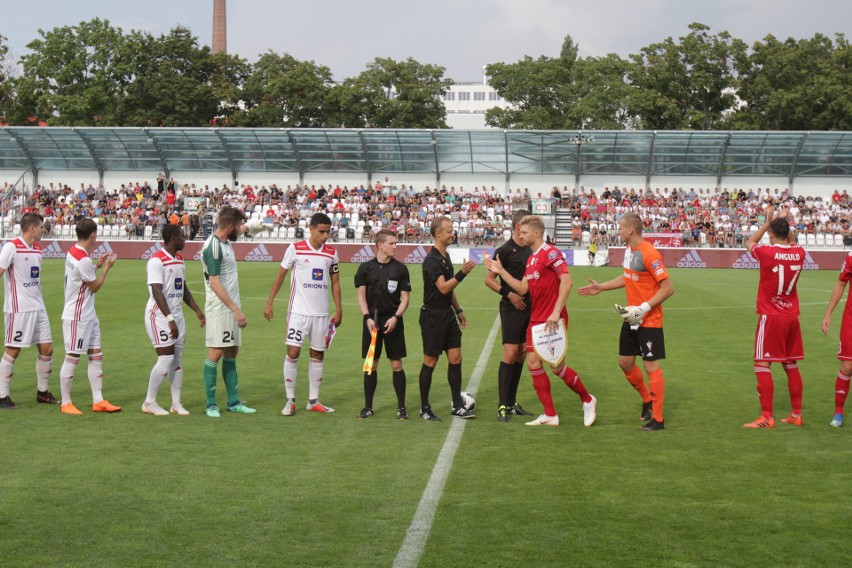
(436, 265)
(513, 257)
(385, 284)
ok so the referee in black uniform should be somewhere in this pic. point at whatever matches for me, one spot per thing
(383, 294)
(514, 318)
(441, 319)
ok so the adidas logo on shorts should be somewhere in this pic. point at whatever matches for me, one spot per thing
(259, 254)
(53, 250)
(363, 255)
(102, 250)
(691, 260)
(416, 256)
(746, 261)
(151, 251)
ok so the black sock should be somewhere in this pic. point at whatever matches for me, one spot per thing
(370, 382)
(504, 382)
(454, 377)
(425, 384)
(399, 387)
(517, 373)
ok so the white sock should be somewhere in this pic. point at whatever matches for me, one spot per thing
(315, 370)
(43, 368)
(66, 377)
(7, 369)
(176, 376)
(290, 369)
(159, 371)
(96, 376)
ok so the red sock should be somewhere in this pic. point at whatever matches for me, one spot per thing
(541, 384)
(658, 393)
(635, 378)
(794, 385)
(765, 389)
(572, 379)
(841, 389)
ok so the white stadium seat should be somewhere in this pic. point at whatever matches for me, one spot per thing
(820, 240)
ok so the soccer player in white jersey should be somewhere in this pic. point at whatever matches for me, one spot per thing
(225, 319)
(80, 325)
(25, 316)
(164, 319)
(315, 269)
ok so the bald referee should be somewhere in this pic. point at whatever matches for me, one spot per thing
(514, 319)
(442, 319)
(383, 294)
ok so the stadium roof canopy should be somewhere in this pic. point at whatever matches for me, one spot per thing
(438, 152)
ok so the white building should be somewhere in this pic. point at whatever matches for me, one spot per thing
(466, 104)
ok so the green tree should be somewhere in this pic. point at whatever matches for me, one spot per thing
(283, 91)
(688, 84)
(796, 85)
(535, 89)
(6, 76)
(599, 97)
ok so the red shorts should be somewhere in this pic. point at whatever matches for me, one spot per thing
(778, 339)
(530, 348)
(844, 353)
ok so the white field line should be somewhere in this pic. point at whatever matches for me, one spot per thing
(418, 532)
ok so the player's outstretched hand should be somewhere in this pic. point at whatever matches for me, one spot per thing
(826, 324)
(268, 312)
(468, 266)
(493, 264)
(591, 289)
(783, 211)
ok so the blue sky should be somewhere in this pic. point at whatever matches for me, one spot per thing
(461, 35)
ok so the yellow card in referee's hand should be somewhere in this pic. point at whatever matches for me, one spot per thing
(369, 362)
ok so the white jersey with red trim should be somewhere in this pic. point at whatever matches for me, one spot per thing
(310, 277)
(79, 300)
(169, 271)
(22, 285)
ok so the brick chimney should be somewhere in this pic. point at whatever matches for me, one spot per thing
(220, 27)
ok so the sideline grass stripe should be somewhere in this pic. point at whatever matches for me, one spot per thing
(418, 532)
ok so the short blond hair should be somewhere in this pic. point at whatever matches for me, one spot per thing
(533, 221)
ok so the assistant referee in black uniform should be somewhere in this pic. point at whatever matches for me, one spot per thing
(442, 319)
(383, 293)
(514, 319)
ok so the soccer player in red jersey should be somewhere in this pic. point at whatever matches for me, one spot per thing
(548, 282)
(841, 383)
(647, 284)
(778, 337)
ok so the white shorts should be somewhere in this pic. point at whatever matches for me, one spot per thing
(300, 327)
(25, 328)
(158, 330)
(80, 336)
(221, 330)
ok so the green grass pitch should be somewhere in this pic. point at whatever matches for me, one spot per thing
(329, 490)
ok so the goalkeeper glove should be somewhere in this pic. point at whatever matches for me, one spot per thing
(633, 315)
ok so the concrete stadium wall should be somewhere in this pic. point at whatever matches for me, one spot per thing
(821, 186)
(672, 182)
(599, 182)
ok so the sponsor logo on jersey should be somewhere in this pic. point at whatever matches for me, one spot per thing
(178, 283)
(259, 253)
(746, 261)
(35, 272)
(53, 250)
(416, 256)
(691, 260)
(552, 255)
(363, 255)
(151, 251)
(809, 262)
(317, 274)
(102, 250)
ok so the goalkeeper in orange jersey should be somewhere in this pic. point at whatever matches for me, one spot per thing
(383, 294)
(647, 284)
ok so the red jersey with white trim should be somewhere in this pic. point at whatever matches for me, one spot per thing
(22, 285)
(169, 271)
(780, 267)
(310, 277)
(544, 267)
(79, 300)
(846, 276)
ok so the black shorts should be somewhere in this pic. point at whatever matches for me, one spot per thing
(645, 341)
(440, 330)
(394, 342)
(514, 323)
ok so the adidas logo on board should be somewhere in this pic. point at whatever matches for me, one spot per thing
(363, 255)
(746, 261)
(53, 250)
(416, 256)
(259, 254)
(102, 250)
(151, 251)
(691, 260)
